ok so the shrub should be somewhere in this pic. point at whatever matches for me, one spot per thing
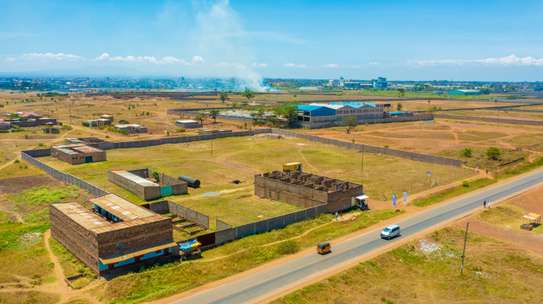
(493, 153)
(467, 152)
(288, 247)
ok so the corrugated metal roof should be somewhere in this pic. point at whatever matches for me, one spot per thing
(84, 217)
(136, 178)
(340, 104)
(309, 107)
(121, 208)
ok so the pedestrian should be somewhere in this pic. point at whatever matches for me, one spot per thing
(484, 204)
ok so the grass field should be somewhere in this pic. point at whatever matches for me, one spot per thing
(233, 258)
(217, 163)
(427, 271)
(24, 217)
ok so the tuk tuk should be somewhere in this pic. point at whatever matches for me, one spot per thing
(190, 249)
(324, 248)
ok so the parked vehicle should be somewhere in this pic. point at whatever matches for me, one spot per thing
(324, 248)
(390, 232)
(190, 249)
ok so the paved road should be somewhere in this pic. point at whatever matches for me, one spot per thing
(250, 287)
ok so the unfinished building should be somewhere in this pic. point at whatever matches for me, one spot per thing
(307, 190)
(114, 235)
(140, 183)
(78, 153)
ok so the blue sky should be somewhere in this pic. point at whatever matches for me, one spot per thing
(398, 39)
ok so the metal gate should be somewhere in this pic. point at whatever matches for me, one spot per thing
(166, 190)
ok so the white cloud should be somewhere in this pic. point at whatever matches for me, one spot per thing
(259, 65)
(331, 65)
(197, 59)
(511, 60)
(295, 65)
(51, 56)
(147, 59)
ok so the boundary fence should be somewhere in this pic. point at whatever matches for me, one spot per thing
(494, 120)
(373, 149)
(177, 139)
(31, 157)
(278, 222)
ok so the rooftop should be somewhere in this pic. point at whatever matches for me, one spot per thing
(135, 178)
(121, 208)
(76, 148)
(340, 104)
(84, 217)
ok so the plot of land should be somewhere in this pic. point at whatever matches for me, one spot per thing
(447, 138)
(219, 162)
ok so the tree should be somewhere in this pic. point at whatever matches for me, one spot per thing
(156, 176)
(350, 122)
(493, 153)
(289, 112)
(401, 92)
(201, 117)
(467, 152)
(213, 114)
(223, 96)
(248, 94)
(399, 106)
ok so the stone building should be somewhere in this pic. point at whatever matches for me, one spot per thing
(78, 154)
(139, 183)
(114, 235)
(307, 190)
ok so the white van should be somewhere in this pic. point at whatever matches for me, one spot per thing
(390, 232)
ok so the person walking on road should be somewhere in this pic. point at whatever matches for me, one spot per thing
(484, 204)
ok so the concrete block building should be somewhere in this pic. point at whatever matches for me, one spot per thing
(4, 125)
(78, 154)
(131, 128)
(100, 122)
(188, 123)
(317, 115)
(139, 183)
(114, 235)
(307, 190)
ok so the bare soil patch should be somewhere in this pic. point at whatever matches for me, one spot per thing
(18, 184)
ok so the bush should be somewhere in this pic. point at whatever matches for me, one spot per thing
(465, 184)
(467, 152)
(493, 153)
(288, 247)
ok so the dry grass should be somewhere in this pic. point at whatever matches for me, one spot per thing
(494, 273)
(241, 158)
(447, 138)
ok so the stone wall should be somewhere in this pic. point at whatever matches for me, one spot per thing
(306, 190)
(153, 232)
(78, 240)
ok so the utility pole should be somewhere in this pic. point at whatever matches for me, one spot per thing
(464, 250)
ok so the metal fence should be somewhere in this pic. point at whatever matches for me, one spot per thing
(278, 222)
(493, 119)
(189, 214)
(61, 176)
(374, 149)
(177, 139)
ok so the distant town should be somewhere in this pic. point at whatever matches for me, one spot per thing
(104, 84)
